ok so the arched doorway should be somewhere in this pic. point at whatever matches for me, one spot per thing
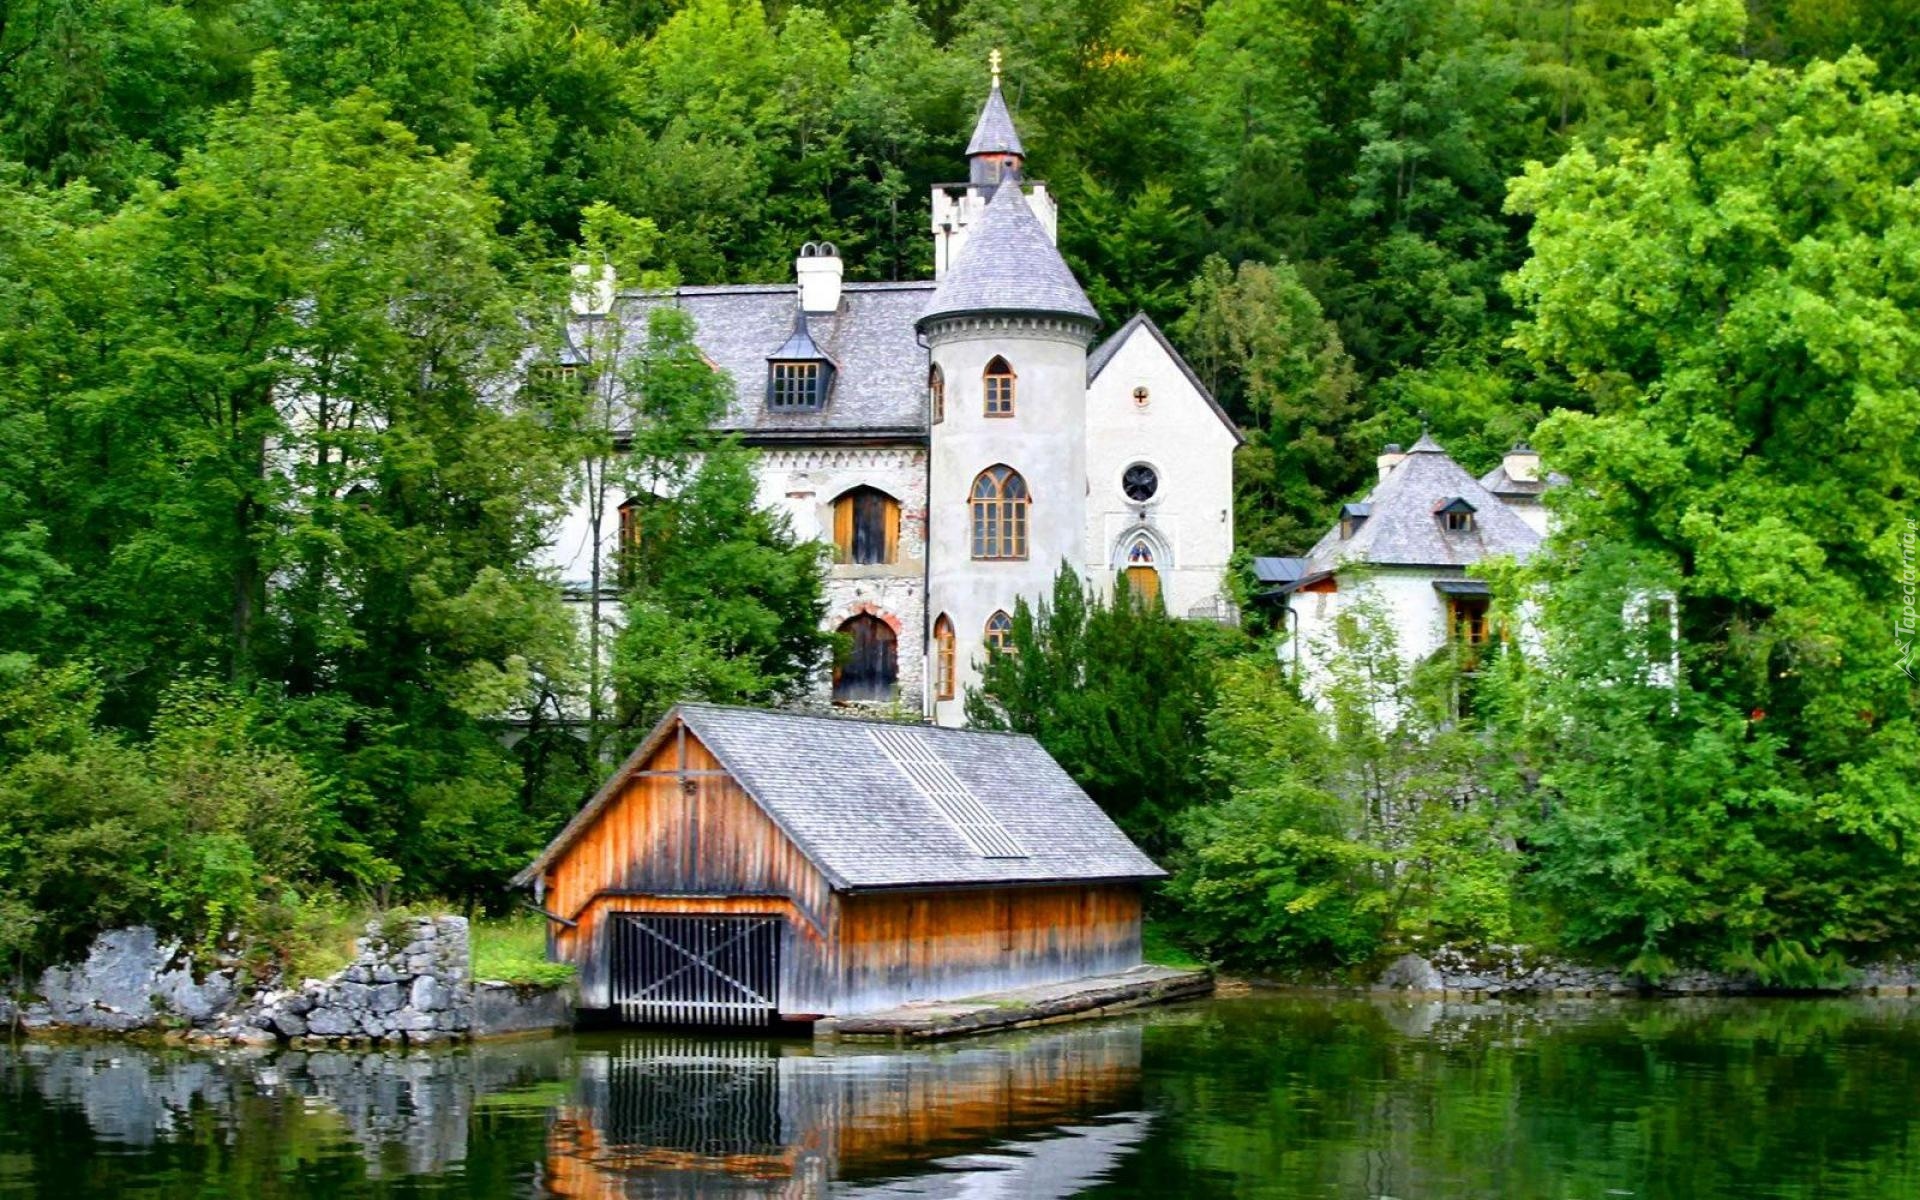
(1143, 577)
(871, 666)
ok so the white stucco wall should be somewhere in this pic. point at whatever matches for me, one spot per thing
(1044, 440)
(1189, 520)
(1407, 599)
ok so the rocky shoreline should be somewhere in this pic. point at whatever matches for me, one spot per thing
(1496, 971)
(408, 984)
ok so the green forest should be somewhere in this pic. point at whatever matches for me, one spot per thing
(274, 470)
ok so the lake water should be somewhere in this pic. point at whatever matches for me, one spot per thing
(1263, 1096)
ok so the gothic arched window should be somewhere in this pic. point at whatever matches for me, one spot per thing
(936, 394)
(999, 501)
(872, 663)
(866, 526)
(999, 632)
(943, 658)
(998, 381)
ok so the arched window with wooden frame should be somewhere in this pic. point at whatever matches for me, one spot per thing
(643, 526)
(999, 501)
(998, 382)
(944, 650)
(1143, 578)
(936, 394)
(999, 634)
(870, 667)
(866, 527)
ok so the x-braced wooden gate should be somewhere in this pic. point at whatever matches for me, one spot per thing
(694, 970)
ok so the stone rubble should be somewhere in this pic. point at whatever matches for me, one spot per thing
(407, 983)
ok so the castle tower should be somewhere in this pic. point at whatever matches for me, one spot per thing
(1007, 330)
(994, 155)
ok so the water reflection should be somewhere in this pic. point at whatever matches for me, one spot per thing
(1268, 1096)
(1038, 1116)
(680, 1118)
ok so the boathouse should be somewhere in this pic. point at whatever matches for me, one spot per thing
(745, 866)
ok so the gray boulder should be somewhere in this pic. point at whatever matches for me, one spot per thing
(1412, 973)
(430, 995)
(330, 1022)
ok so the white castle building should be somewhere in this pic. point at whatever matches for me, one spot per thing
(956, 440)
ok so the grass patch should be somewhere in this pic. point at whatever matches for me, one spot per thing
(1159, 948)
(514, 950)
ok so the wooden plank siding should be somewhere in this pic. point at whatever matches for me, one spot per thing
(682, 836)
(686, 845)
(898, 946)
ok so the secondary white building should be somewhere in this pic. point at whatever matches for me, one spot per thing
(1405, 549)
(957, 439)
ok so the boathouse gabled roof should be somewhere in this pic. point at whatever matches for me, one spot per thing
(838, 790)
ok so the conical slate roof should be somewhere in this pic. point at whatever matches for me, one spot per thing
(1008, 264)
(994, 133)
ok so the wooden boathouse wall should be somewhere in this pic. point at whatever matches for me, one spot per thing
(899, 945)
(683, 837)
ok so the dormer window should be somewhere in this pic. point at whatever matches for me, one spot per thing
(1352, 517)
(799, 373)
(1455, 515)
(794, 386)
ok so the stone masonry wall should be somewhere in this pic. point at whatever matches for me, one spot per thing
(407, 983)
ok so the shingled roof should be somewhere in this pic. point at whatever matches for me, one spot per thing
(1401, 528)
(835, 791)
(994, 133)
(881, 386)
(1008, 265)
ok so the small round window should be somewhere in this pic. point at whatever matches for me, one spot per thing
(1140, 482)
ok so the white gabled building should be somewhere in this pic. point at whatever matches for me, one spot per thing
(956, 439)
(1406, 549)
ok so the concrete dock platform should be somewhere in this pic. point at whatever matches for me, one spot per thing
(1018, 1008)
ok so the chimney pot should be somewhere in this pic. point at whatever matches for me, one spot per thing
(1522, 464)
(1389, 458)
(819, 271)
(592, 296)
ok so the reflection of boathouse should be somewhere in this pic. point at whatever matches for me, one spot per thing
(678, 1118)
(744, 866)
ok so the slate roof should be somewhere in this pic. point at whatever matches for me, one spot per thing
(1402, 530)
(1008, 265)
(881, 382)
(1506, 487)
(1103, 354)
(994, 133)
(858, 817)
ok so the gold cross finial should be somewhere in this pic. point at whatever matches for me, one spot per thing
(993, 61)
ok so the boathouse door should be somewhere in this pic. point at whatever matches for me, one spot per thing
(683, 969)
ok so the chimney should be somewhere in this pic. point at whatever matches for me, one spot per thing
(819, 270)
(592, 297)
(1390, 458)
(1522, 463)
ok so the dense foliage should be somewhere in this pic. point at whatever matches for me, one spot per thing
(1115, 689)
(273, 473)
